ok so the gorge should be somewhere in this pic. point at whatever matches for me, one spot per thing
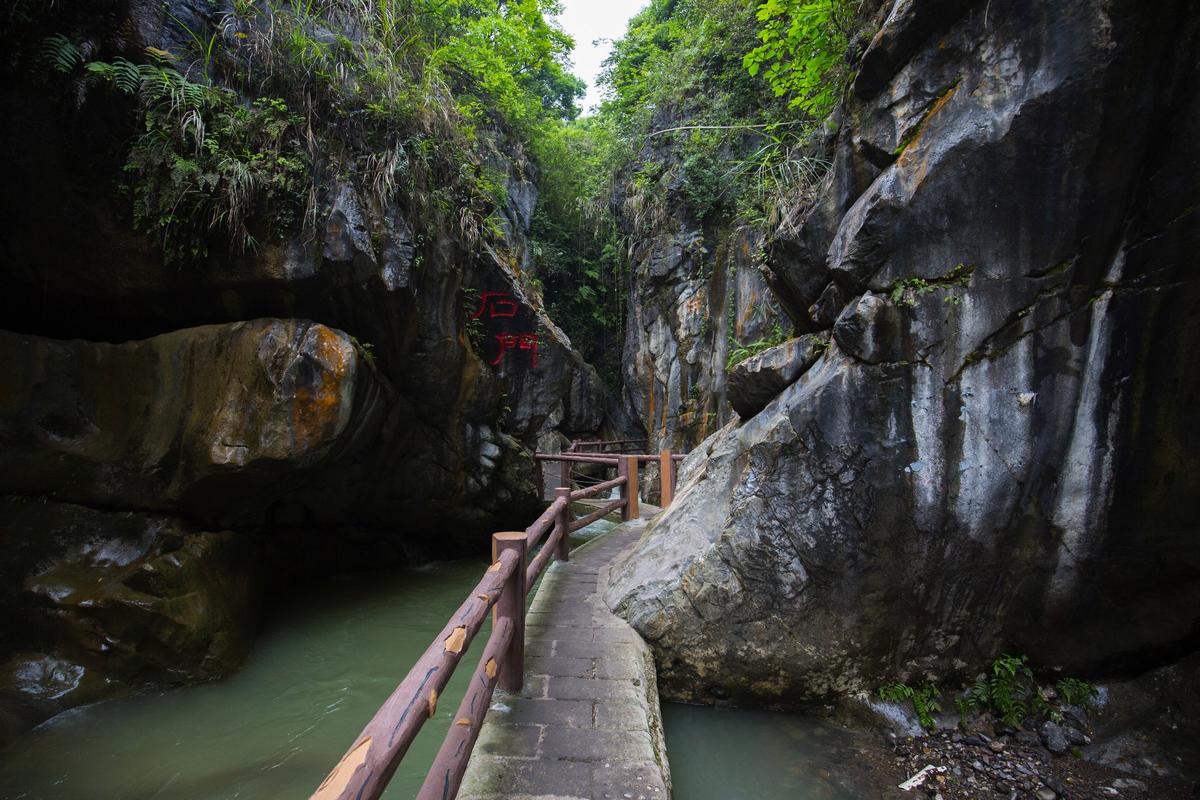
(295, 291)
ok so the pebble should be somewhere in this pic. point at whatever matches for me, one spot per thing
(1045, 793)
(1130, 785)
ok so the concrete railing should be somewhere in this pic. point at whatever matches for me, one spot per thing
(369, 764)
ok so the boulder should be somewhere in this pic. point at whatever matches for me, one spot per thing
(994, 454)
(1054, 737)
(211, 420)
(753, 383)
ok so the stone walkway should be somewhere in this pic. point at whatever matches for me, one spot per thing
(587, 725)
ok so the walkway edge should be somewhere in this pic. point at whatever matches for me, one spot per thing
(588, 725)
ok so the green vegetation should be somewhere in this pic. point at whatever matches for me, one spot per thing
(800, 55)
(1009, 691)
(905, 291)
(710, 119)
(739, 353)
(406, 98)
(1076, 692)
(924, 699)
(687, 133)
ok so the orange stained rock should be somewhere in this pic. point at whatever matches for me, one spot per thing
(905, 162)
(316, 409)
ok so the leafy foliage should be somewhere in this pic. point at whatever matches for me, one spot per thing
(1012, 693)
(1076, 692)
(1008, 690)
(406, 98)
(801, 49)
(904, 291)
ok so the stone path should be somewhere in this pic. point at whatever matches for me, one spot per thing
(587, 724)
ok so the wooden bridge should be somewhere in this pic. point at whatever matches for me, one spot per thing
(365, 770)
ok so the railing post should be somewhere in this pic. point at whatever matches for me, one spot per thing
(627, 467)
(563, 523)
(565, 468)
(666, 477)
(511, 606)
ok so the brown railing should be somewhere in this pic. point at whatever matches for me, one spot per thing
(610, 445)
(575, 455)
(368, 766)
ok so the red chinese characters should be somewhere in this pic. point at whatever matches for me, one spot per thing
(496, 304)
(517, 341)
(501, 305)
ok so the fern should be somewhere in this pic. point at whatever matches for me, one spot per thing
(1076, 692)
(61, 53)
(924, 699)
(121, 73)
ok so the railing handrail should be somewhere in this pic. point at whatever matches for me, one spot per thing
(598, 488)
(364, 771)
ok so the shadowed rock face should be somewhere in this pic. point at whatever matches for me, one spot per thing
(995, 452)
(95, 599)
(204, 421)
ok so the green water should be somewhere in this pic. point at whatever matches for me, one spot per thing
(326, 659)
(733, 754)
(318, 672)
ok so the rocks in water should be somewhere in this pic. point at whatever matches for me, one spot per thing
(983, 444)
(94, 599)
(754, 382)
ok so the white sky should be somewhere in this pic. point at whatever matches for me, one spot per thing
(591, 20)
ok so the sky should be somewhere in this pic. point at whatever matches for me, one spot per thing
(594, 24)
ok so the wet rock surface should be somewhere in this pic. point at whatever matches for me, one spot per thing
(96, 600)
(990, 457)
(206, 420)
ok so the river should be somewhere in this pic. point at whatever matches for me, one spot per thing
(326, 659)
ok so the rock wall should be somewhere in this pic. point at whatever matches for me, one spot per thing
(993, 454)
(691, 292)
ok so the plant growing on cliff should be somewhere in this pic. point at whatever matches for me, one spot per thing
(739, 353)
(244, 130)
(905, 291)
(924, 699)
(801, 51)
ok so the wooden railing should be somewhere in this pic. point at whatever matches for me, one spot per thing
(667, 462)
(369, 764)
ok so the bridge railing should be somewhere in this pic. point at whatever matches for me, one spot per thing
(667, 462)
(365, 770)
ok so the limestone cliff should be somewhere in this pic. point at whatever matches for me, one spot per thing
(994, 451)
